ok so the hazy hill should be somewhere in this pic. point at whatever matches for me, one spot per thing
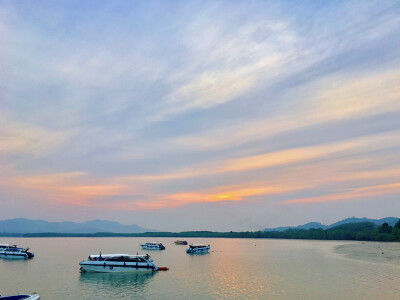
(306, 226)
(389, 220)
(316, 225)
(37, 226)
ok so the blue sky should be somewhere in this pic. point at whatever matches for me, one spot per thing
(188, 115)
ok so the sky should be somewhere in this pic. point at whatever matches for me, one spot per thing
(200, 115)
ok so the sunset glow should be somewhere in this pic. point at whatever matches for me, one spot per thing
(250, 114)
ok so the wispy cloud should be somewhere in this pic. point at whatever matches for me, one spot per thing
(335, 100)
(68, 188)
(25, 139)
(356, 193)
(124, 107)
(284, 157)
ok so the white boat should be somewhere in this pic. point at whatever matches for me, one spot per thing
(153, 246)
(21, 297)
(198, 248)
(15, 252)
(109, 263)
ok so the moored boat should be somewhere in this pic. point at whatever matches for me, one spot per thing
(153, 246)
(21, 297)
(198, 248)
(109, 263)
(15, 252)
(181, 242)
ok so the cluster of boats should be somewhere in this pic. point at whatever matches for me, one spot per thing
(104, 263)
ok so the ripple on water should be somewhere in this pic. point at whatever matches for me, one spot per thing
(372, 252)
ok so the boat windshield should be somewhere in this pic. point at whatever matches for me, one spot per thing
(198, 246)
(15, 249)
(126, 259)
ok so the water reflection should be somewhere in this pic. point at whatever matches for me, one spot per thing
(118, 283)
(198, 253)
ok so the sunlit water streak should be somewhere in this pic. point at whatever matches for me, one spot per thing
(235, 269)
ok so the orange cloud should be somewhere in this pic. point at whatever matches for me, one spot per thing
(368, 95)
(69, 188)
(353, 194)
(220, 194)
(280, 158)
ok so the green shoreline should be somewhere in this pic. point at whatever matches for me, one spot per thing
(364, 231)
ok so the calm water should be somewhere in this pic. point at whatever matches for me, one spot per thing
(235, 269)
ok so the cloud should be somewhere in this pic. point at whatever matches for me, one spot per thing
(26, 139)
(228, 66)
(356, 193)
(285, 157)
(134, 107)
(358, 97)
(68, 188)
(335, 100)
(220, 194)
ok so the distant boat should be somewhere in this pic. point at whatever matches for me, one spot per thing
(113, 263)
(7, 251)
(198, 248)
(181, 242)
(21, 297)
(153, 246)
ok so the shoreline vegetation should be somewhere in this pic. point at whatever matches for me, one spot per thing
(364, 231)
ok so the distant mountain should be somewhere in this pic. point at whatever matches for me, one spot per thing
(278, 228)
(311, 225)
(39, 226)
(390, 220)
(307, 226)
(315, 225)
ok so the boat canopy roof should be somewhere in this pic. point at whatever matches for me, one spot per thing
(198, 245)
(117, 255)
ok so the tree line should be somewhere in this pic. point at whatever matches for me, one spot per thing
(363, 231)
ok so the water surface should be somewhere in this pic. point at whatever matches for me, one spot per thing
(235, 269)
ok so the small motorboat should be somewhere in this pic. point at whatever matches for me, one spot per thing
(198, 248)
(153, 246)
(21, 297)
(181, 242)
(114, 263)
(15, 252)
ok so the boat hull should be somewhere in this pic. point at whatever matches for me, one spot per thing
(108, 267)
(14, 256)
(21, 297)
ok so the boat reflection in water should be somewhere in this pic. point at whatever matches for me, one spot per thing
(122, 284)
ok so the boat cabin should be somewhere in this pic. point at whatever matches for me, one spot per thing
(120, 258)
(198, 246)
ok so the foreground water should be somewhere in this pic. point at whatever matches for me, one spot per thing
(235, 269)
